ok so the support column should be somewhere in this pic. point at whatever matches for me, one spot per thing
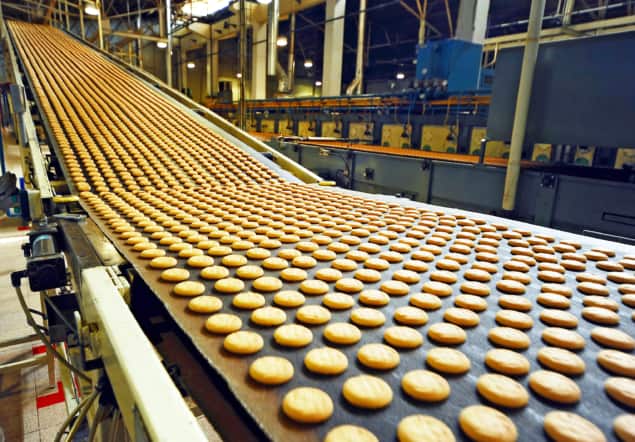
(259, 62)
(472, 20)
(183, 66)
(242, 109)
(168, 50)
(139, 41)
(522, 103)
(68, 22)
(82, 29)
(566, 13)
(333, 47)
(100, 28)
(215, 71)
(291, 59)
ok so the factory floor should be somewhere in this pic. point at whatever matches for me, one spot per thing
(30, 408)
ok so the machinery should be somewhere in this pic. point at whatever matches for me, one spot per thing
(138, 364)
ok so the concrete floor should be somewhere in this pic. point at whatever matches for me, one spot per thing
(20, 417)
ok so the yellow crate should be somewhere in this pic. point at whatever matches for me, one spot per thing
(391, 135)
(268, 126)
(541, 153)
(303, 129)
(625, 156)
(439, 138)
(584, 156)
(285, 127)
(329, 129)
(357, 131)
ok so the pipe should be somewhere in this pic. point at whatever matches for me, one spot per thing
(168, 50)
(242, 120)
(283, 80)
(272, 37)
(139, 41)
(82, 29)
(522, 103)
(68, 20)
(566, 13)
(208, 63)
(422, 23)
(357, 83)
(100, 29)
(291, 63)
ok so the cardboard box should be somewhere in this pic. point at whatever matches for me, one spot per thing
(439, 138)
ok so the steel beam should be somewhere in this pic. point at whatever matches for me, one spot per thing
(333, 47)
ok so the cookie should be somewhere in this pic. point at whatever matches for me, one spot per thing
(271, 370)
(407, 276)
(553, 300)
(175, 275)
(289, 298)
(461, 316)
(436, 288)
(613, 338)
(368, 275)
(564, 426)
(214, 272)
(326, 361)
(617, 362)
(349, 285)
(444, 276)
(561, 360)
(275, 263)
(448, 360)
(395, 288)
(163, 262)
(502, 390)
(375, 298)
(561, 337)
(471, 302)
(422, 428)
(249, 272)
(342, 333)
(338, 301)
(258, 253)
(600, 315)
(243, 342)
(558, 318)
(507, 362)
(486, 424)
(234, 260)
(592, 288)
(267, 284)
(514, 319)
(200, 261)
(621, 389)
(403, 337)
(229, 285)
(367, 317)
(205, 304)
(510, 286)
(366, 391)
(268, 316)
(314, 287)
(223, 323)
(378, 356)
(523, 278)
(189, 288)
(515, 302)
(558, 289)
(293, 335)
(600, 301)
(425, 301)
(475, 288)
(344, 265)
(554, 386)
(313, 315)
(477, 275)
(328, 275)
(248, 300)
(350, 433)
(307, 405)
(509, 338)
(624, 427)
(425, 385)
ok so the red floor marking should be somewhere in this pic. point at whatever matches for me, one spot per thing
(38, 349)
(24, 228)
(51, 399)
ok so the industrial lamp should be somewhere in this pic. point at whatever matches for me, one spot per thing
(318, 83)
(191, 65)
(281, 42)
(91, 8)
(162, 44)
(400, 76)
(264, 2)
(308, 63)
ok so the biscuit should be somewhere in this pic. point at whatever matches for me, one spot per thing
(214, 272)
(349, 285)
(366, 391)
(271, 370)
(328, 274)
(617, 362)
(268, 316)
(350, 433)
(486, 424)
(416, 266)
(403, 337)
(307, 405)
(502, 390)
(515, 302)
(613, 338)
(564, 426)
(523, 278)
(509, 338)
(324, 255)
(444, 276)
(373, 297)
(600, 301)
(448, 360)
(592, 288)
(175, 275)
(243, 342)
(293, 335)
(189, 288)
(621, 389)
(152, 253)
(228, 285)
(425, 385)
(561, 337)
(376, 264)
(558, 318)
(558, 289)
(338, 301)
(471, 302)
(342, 333)
(249, 272)
(514, 319)
(248, 300)
(553, 300)
(554, 386)
(600, 315)
(223, 323)
(289, 298)
(425, 301)
(274, 263)
(461, 316)
(624, 427)
(507, 362)
(326, 361)
(561, 360)
(258, 253)
(293, 274)
(447, 264)
(313, 315)
(345, 265)
(477, 275)
(200, 261)
(409, 315)
(368, 275)
(510, 286)
(422, 428)
(475, 288)
(289, 254)
(205, 304)
(485, 266)
(436, 288)
(313, 287)
(378, 356)
(367, 317)
(407, 276)
(591, 277)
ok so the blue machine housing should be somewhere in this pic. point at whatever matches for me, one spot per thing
(454, 66)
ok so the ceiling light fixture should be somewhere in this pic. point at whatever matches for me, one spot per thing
(281, 42)
(162, 44)
(91, 9)
(203, 8)
(400, 76)
(239, 75)
(318, 83)
(191, 65)
(308, 63)
(264, 2)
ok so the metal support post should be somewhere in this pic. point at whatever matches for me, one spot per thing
(242, 120)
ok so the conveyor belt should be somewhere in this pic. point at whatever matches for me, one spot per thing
(146, 171)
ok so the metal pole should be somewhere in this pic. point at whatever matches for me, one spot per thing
(100, 29)
(82, 29)
(168, 53)
(359, 63)
(208, 63)
(68, 22)
(522, 103)
(272, 37)
(422, 23)
(291, 63)
(566, 13)
(243, 60)
(139, 41)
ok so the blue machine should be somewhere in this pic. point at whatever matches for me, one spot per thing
(449, 67)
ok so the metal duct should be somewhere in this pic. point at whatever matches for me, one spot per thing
(272, 37)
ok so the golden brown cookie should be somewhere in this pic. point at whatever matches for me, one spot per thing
(507, 362)
(307, 405)
(600, 315)
(617, 362)
(461, 316)
(436, 288)
(293, 335)
(205, 304)
(163, 262)
(342, 333)
(267, 284)
(613, 338)
(510, 286)
(243, 342)
(509, 338)
(175, 275)
(425, 301)
(248, 300)
(502, 390)
(338, 301)
(378, 356)
(268, 316)
(554, 386)
(326, 360)
(515, 302)
(314, 287)
(375, 298)
(271, 370)
(553, 300)
(624, 427)
(486, 424)
(561, 360)
(214, 272)
(395, 288)
(425, 385)
(561, 337)
(349, 285)
(448, 360)
(350, 433)
(229, 285)
(403, 337)
(313, 315)
(563, 426)
(621, 389)
(289, 298)
(558, 318)
(514, 319)
(366, 391)
(368, 275)
(422, 428)
(367, 317)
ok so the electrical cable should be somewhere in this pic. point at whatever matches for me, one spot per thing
(78, 408)
(82, 415)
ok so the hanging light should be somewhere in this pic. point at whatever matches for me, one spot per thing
(162, 44)
(281, 42)
(191, 65)
(264, 2)
(400, 76)
(203, 8)
(318, 83)
(239, 75)
(308, 63)
(91, 9)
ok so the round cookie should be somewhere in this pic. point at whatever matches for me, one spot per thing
(422, 428)
(621, 389)
(448, 360)
(342, 333)
(436, 288)
(444, 276)
(338, 301)
(515, 302)
(163, 262)
(175, 275)
(613, 338)
(412, 316)
(510, 286)
(554, 386)
(349, 285)
(367, 317)
(507, 362)
(461, 316)
(514, 319)
(425, 301)
(600, 315)
(214, 272)
(289, 298)
(403, 337)
(229, 285)
(189, 288)
(558, 318)
(368, 275)
(475, 288)
(248, 300)
(268, 316)
(378, 356)
(249, 272)
(313, 315)
(374, 297)
(267, 284)
(223, 323)
(553, 300)
(307, 405)
(271, 370)
(395, 288)
(425, 385)
(624, 427)
(564, 338)
(561, 360)
(509, 338)
(328, 274)
(243, 342)
(447, 334)
(314, 287)
(200, 261)
(293, 335)
(502, 390)
(486, 424)
(564, 426)
(205, 304)
(617, 362)
(366, 391)
(350, 433)
(326, 361)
